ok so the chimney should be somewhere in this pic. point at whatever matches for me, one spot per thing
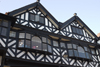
(75, 14)
(6, 13)
(38, 1)
(98, 35)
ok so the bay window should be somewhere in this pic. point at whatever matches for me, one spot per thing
(32, 42)
(77, 51)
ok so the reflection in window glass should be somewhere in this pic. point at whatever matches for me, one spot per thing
(81, 52)
(4, 31)
(85, 48)
(69, 45)
(37, 18)
(76, 53)
(28, 36)
(22, 35)
(87, 55)
(62, 45)
(44, 47)
(27, 44)
(74, 46)
(55, 43)
(5, 23)
(49, 42)
(93, 51)
(36, 43)
(12, 34)
(32, 17)
(49, 49)
(44, 39)
(42, 20)
(21, 43)
(70, 52)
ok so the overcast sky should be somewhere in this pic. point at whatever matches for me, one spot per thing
(62, 10)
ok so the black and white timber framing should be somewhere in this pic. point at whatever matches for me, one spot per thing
(37, 39)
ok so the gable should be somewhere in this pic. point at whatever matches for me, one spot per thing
(33, 6)
(77, 29)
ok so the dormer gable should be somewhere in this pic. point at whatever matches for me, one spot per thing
(35, 16)
(76, 28)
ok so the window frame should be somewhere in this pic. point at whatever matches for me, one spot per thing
(75, 30)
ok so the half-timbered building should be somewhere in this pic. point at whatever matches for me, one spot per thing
(37, 39)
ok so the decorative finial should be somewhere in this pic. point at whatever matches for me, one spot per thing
(38, 1)
(75, 14)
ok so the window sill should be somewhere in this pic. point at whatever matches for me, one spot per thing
(80, 58)
(34, 50)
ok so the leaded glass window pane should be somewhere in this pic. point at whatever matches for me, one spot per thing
(73, 29)
(21, 43)
(4, 31)
(93, 51)
(21, 35)
(32, 17)
(71, 53)
(87, 55)
(74, 46)
(62, 45)
(44, 47)
(49, 41)
(76, 53)
(69, 45)
(44, 39)
(85, 48)
(5, 23)
(37, 18)
(28, 36)
(55, 43)
(12, 34)
(42, 20)
(81, 52)
(27, 44)
(36, 43)
(49, 49)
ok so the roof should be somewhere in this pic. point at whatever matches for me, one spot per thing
(9, 18)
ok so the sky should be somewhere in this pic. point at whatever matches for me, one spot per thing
(62, 10)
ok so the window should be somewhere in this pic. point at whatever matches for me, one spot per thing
(29, 41)
(36, 43)
(62, 45)
(78, 51)
(55, 43)
(3, 27)
(46, 44)
(12, 34)
(69, 46)
(37, 18)
(81, 52)
(71, 53)
(77, 30)
(4, 31)
(93, 51)
(5, 23)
